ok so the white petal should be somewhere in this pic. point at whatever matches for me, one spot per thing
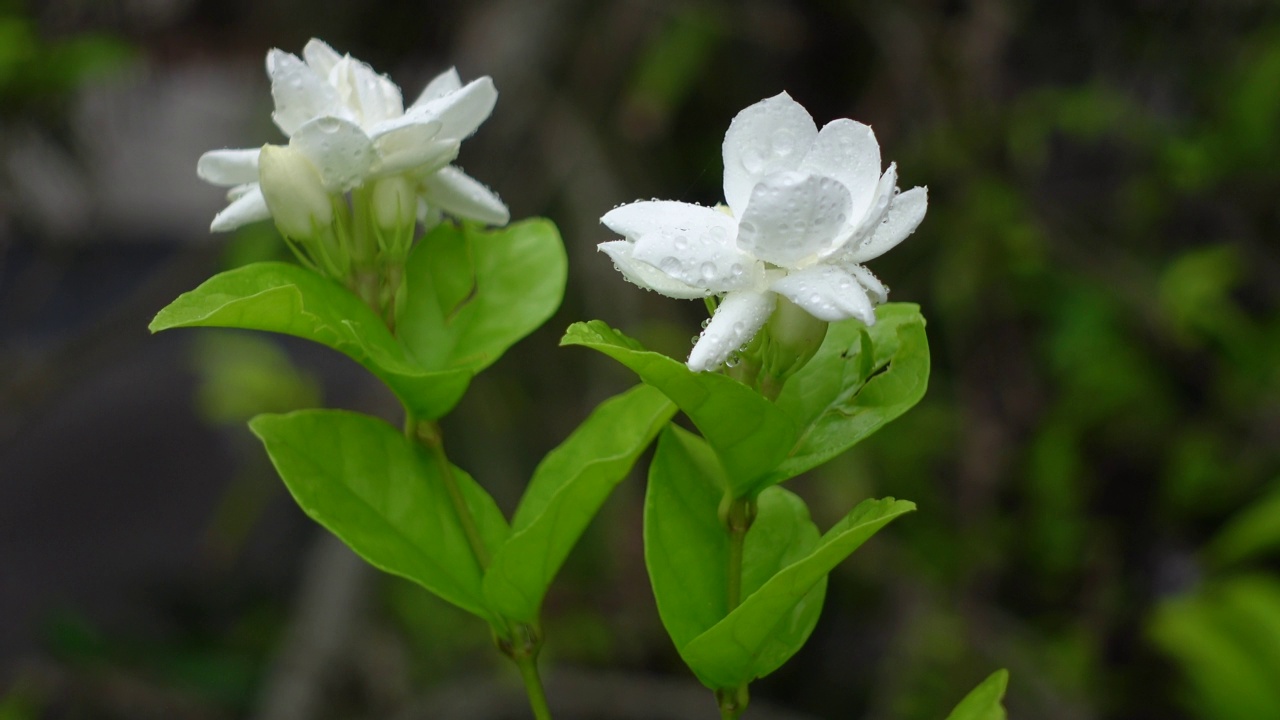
(462, 111)
(441, 85)
(421, 158)
(847, 151)
(228, 167)
(827, 293)
(858, 229)
(646, 275)
(793, 217)
(906, 211)
(320, 56)
(461, 196)
(702, 260)
(372, 97)
(240, 191)
(876, 290)
(339, 149)
(772, 135)
(300, 93)
(638, 219)
(738, 318)
(250, 207)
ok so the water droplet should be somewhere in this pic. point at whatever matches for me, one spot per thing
(669, 265)
(705, 323)
(841, 218)
(733, 360)
(718, 233)
(736, 270)
(682, 243)
(328, 125)
(708, 270)
(815, 298)
(752, 160)
(739, 328)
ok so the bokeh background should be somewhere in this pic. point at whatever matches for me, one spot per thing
(1097, 461)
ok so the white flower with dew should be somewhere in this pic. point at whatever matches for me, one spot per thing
(351, 123)
(806, 208)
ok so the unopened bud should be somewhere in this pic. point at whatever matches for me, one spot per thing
(794, 336)
(395, 205)
(294, 192)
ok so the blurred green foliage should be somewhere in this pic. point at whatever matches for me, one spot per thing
(33, 67)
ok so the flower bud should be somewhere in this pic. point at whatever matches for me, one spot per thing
(295, 195)
(793, 337)
(395, 205)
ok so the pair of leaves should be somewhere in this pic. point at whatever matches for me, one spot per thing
(386, 497)
(785, 564)
(860, 379)
(469, 295)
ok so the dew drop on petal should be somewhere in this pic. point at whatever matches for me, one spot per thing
(705, 323)
(815, 298)
(736, 270)
(329, 125)
(708, 270)
(670, 265)
(682, 243)
(752, 160)
(718, 233)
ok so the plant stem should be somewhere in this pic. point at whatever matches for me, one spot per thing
(737, 514)
(528, 665)
(428, 433)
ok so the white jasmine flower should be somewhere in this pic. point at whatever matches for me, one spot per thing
(351, 123)
(805, 209)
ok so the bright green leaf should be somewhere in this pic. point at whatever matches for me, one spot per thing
(984, 701)
(839, 397)
(288, 299)
(384, 496)
(687, 549)
(472, 293)
(565, 493)
(750, 435)
(737, 649)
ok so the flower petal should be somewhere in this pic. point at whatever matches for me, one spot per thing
(637, 219)
(827, 293)
(847, 151)
(228, 167)
(876, 290)
(645, 275)
(339, 149)
(300, 93)
(772, 135)
(372, 97)
(408, 143)
(461, 196)
(462, 111)
(441, 85)
(320, 56)
(793, 217)
(738, 318)
(906, 211)
(700, 260)
(249, 207)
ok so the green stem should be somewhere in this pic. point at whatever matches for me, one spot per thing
(428, 433)
(737, 514)
(533, 686)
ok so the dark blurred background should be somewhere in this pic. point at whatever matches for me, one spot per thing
(1097, 461)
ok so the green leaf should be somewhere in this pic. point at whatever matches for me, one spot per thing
(744, 646)
(385, 497)
(687, 550)
(841, 396)
(1253, 531)
(983, 702)
(566, 491)
(1226, 640)
(750, 435)
(472, 293)
(288, 299)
